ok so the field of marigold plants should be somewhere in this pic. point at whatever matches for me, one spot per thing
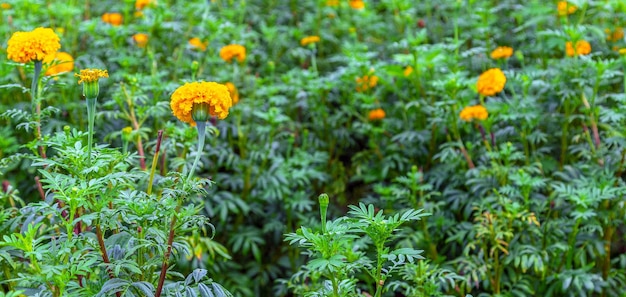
(377, 148)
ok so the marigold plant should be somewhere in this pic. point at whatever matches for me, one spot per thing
(407, 71)
(141, 39)
(198, 44)
(227, 53)
(215, 95)
(582, 48)
(470, 113)
(366, 82)
(502, 52)
(357, 4)
(565, 8)
(614, 35)
(141, 4)
(36, 45)
(376, 114)
(491, 82)
(309, 40)
(60, 63)
(112, 18)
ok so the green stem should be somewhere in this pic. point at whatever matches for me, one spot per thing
(154, 161)
(91, 116)
(201, 136)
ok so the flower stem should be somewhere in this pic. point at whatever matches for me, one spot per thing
(154, 161)
(91, 116)
(166, 257)
(201, 136)
(36, 104)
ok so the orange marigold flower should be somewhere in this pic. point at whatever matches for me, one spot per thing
(309, 39)
(60, 63)
(35, 45)
(234, 93)
(582, 48)
(141, 4)
(196, 43)
(564, 8)
(366, 82)
(502, 52)
(376, 114)
(407, 71)
(332, 3)
(5, 6)
(141, 39)
(491, 82)
(112, 18)
(186, 96)
(357, 4)
(474, 112)
(231, 51)
(614, 35)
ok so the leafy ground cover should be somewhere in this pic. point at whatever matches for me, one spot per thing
(312, 148)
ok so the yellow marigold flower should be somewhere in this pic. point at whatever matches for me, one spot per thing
(60, 63)
(141, 39)
(5, 6)
(564, 8)
(141, 4)
(376, 114)
(112, 18)
(309, 39)
(127, 130)
(215, 95)
(35, 45)
(90, 78)
(474, 112)
(234, 93)
(502, 52)
(357, 4)
(138, 14)
(231, 51)
(615, 35)
(491, 82)
(196, 43)
(91, 75)
(366, 82)
(582, 48)
(622, 51)
(332, 3)
(407, 71)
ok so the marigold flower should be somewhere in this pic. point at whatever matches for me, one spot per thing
(234, 93)
(564, 8)
(407, 71)
(5, 6)
(141, 39)
(366, 82)
(112, 18)
(35, 45)
(614, 35)
(90, 78)
(332, 3)
(141, 4)
(357, 4)
(196, 43)
(60, 63)
(491, 82)
(376, 114)
(309, 39)
(582, 48)
(502, 52)
(470, 113)
(227, 53)
(186, 96)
